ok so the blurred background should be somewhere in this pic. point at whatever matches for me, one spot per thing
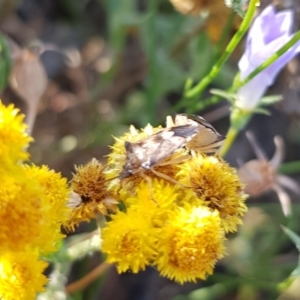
(83, 71)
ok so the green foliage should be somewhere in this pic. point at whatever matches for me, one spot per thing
(5, 63)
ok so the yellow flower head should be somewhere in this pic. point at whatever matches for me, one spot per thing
(33, 204)
(55, 188)
(131, 237)
(20, 212)
(128, 241)
(21, 276)
(90, 185)
(13, 138)
(54, 200)
(155, 193)
(157, 199)
(217, 186)
(190, 244)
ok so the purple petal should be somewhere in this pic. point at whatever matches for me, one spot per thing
(275, 68)
(266, 28)
(248, 65)
(250, 94)
(280, 25)
(269, 32)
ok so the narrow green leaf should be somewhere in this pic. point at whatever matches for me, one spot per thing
(293, 236)
(188, 84)
(5, 63)
(296, 272)
(231, 97)
(270, 100)
(260, 110)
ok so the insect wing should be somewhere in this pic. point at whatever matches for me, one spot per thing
(159, 146)
(155, 148)
(187, 131)
(207, 139)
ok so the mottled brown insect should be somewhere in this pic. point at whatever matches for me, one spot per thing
(189, 131)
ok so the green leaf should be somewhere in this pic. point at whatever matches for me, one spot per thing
(270, 100)
(296, 272)
(5, 63)
(231, 97)
(293, 236)
(260, 110)
(188, 84)
(284, 285)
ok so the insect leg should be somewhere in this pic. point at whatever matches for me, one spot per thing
(174, 161)
(166, 177)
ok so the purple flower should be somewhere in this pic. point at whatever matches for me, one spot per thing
(269, 32)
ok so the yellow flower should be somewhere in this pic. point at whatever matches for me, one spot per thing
(13, 138)
(190, 244)
(55, 211)
(20, 212)
(90, 186)
(157, 199)
(129, 240)
(217, 186)
(157, 192)
(21, 276)
(33, 204)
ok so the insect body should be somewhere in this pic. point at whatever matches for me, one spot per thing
(189, 131)
(153, 150)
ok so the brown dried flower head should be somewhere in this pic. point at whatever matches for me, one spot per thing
(260, 175)
(90, 194)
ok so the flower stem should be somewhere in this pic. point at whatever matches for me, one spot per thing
(230, 138)
(270, 60)
(238, 120)
(87, 279)
(198, 89)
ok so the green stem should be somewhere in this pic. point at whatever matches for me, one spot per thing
(270, 60)
(290, 167)
(225, 34)
(152, 76)
(230, 138)
(200, 105)
(238, 120)
(196, 90)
